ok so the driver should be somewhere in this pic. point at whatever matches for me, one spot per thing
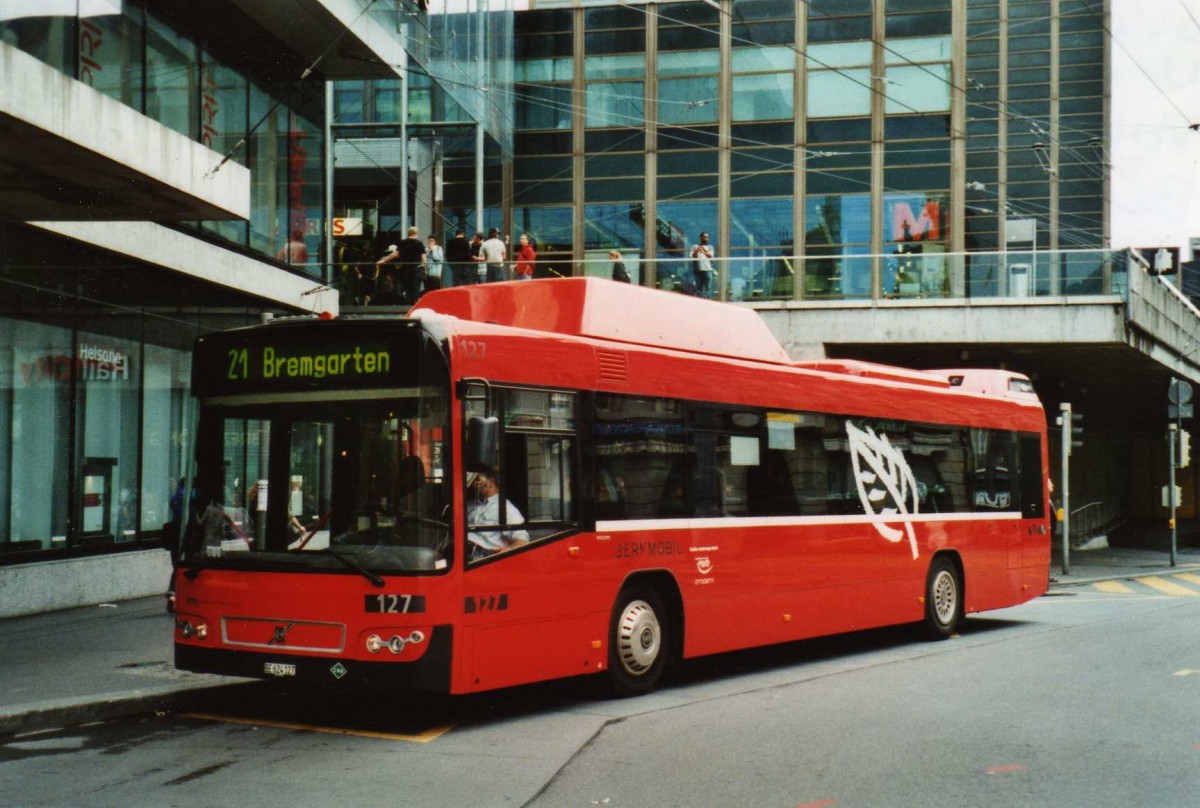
(483, 508)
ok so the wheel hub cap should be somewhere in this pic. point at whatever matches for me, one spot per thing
(639, 638)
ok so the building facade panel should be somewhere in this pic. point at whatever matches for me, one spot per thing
(874, 174)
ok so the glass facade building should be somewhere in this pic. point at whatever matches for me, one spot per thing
(95, 346)
(831, 149)
(136, 52)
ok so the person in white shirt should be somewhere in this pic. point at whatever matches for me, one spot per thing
(494, 252)
(483, 509)
(702, 255)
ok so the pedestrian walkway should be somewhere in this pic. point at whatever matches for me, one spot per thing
(112, 660)
(91, 664)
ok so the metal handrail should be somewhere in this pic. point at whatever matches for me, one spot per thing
(1087, 520)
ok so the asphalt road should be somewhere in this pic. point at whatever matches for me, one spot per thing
(1082, 698)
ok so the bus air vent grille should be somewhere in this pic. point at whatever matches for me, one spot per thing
(613, 366)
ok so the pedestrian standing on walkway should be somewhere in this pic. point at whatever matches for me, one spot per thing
(410, 257)
(494, 254)
(619, 273)
(702, 265)
(458, 258)
(477, 257)
(525, 258)
(436, 275)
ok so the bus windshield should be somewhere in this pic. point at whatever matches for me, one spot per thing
(345, 481)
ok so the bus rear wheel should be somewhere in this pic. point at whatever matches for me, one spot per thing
(639, 641)
(943, 598)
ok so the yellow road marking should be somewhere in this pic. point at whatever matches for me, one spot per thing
(1168, 587)
(1113, 587)
(1191, 578)
(425, 737)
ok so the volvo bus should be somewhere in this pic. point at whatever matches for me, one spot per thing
(531, 480)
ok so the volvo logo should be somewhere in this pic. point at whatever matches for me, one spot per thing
(280, 637)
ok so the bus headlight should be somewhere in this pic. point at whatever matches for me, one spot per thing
(192, 627)
(374, 643)
(396, 643)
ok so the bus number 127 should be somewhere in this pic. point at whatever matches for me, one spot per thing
(395, 604)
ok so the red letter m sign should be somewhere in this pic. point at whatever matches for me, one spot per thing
(906, 227)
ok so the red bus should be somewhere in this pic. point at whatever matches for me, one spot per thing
(540, 479)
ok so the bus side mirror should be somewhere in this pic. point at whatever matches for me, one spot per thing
(483, 443)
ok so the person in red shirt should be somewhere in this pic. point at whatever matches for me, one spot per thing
(526, 256)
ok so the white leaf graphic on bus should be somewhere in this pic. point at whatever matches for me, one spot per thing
(886, 485)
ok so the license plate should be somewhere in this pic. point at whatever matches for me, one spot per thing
(278, 669)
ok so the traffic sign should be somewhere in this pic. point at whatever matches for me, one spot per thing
(1179, 410)
(1180, 392)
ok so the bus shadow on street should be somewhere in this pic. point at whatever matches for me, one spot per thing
(422, 717)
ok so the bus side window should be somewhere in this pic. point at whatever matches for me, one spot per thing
(769, 489)
(610, 493)
(1033, 498)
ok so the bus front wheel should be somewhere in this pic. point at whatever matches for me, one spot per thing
(639, 641)
(943, 598)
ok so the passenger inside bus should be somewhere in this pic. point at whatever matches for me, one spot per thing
(483, 510)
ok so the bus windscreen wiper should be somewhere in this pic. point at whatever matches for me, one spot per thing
(349, 562)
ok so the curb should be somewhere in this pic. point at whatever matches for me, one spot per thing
(1117, 576)
(105, 707)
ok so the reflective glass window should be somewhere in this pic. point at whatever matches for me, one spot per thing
(688, 63)
(763, 96)
(549, 228)
(917, 49)
(684, 101)
(759, 60)
(923, 88)
(678, 228)
(625, 66)
(542, 70)
(839, 94)
(615, 103)
(761, 241)
(839, 54)
(223, 111)
(172, 87)
(613, 226)
(110, 55)
(543, 107)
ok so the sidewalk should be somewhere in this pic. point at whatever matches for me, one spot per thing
(91, 664)
(1115, 563)
(101, 662)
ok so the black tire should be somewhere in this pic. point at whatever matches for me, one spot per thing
(943, 599)
(640, 641)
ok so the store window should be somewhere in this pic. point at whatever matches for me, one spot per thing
(167, 428)
(107, 376)
(34, 478)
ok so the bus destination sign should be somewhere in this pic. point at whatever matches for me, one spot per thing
(265, 362)
(252, 360)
